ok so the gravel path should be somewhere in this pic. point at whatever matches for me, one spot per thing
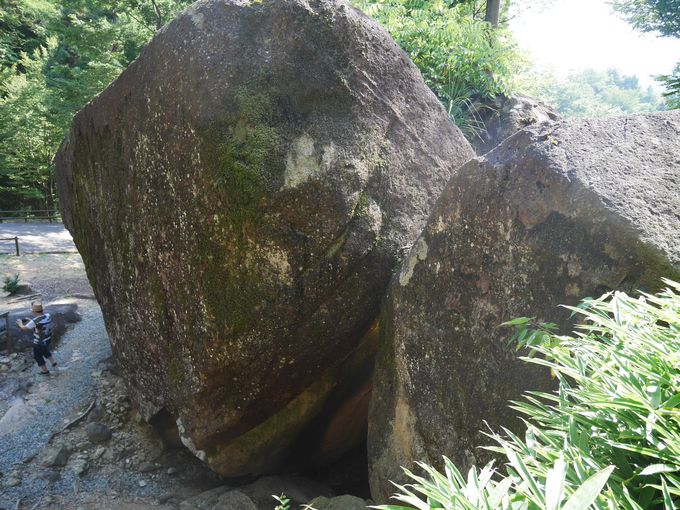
(55, 399)
(53, 275)
(36, 238)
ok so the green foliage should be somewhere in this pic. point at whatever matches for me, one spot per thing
(54, 57)
(672, 83)
(591, 93)
(11, 284)
(22, 28)
(245, 154)
(284, 502)
(614, 422)
(662, 16)
(31, 129)
(461, 58)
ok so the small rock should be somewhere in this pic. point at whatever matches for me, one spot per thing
(320, 503)
(206, 500)
(165, 498)
(98, 452)
(79, 466)
(347, 502)
(297, 488)
(97, 432)
(54, 456)
(146, 467)
(137, 417)
(49, 475)
(82, 445)
(234, 500)
(97, 414)
(142, 483)
(16, 417)
(13, 479)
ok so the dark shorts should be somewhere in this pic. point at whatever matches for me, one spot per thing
(41, 352)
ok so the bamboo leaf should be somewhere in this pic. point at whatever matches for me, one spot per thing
(586, 494)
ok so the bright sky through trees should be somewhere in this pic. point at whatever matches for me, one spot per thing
(579, 34)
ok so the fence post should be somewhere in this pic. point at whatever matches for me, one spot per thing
(16, 244)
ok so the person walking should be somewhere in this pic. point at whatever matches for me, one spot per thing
(41, 325)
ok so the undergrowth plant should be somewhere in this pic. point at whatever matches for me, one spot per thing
(11, 284)
(283, 502)
(609, 438)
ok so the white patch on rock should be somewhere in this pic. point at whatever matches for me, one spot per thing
(186, 441)
(439, 226)
(198, 19)
(374, 216)
(418, 252)
(302, 161)
(329, 156)
(278, 260)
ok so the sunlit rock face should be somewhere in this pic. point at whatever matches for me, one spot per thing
(554, 214)
(240, 197)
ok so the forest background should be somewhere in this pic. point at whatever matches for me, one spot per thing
(55, 55)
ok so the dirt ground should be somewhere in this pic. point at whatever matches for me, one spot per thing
(52, 275)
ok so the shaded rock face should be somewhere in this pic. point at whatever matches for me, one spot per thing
(508, 115)
(240, 197)
(547, 218)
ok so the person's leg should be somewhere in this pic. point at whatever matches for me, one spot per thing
(47, 354)
(39, 359)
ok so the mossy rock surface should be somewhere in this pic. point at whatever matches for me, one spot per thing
(554, 214)
(240, 196)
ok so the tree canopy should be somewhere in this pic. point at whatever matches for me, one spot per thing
(663, 17)
(54, 57)
(592, 93)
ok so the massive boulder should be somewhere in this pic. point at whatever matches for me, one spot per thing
(240, 197)
(554, 214)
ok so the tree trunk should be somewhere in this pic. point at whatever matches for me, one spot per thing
(493, 9)
(157, 13)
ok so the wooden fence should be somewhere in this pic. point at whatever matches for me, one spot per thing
(50, 215)
(16, 242)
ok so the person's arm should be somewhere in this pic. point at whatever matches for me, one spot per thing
(25, 327)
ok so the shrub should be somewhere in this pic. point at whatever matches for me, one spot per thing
(11, 284)
(615, 420)
(462, 58)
